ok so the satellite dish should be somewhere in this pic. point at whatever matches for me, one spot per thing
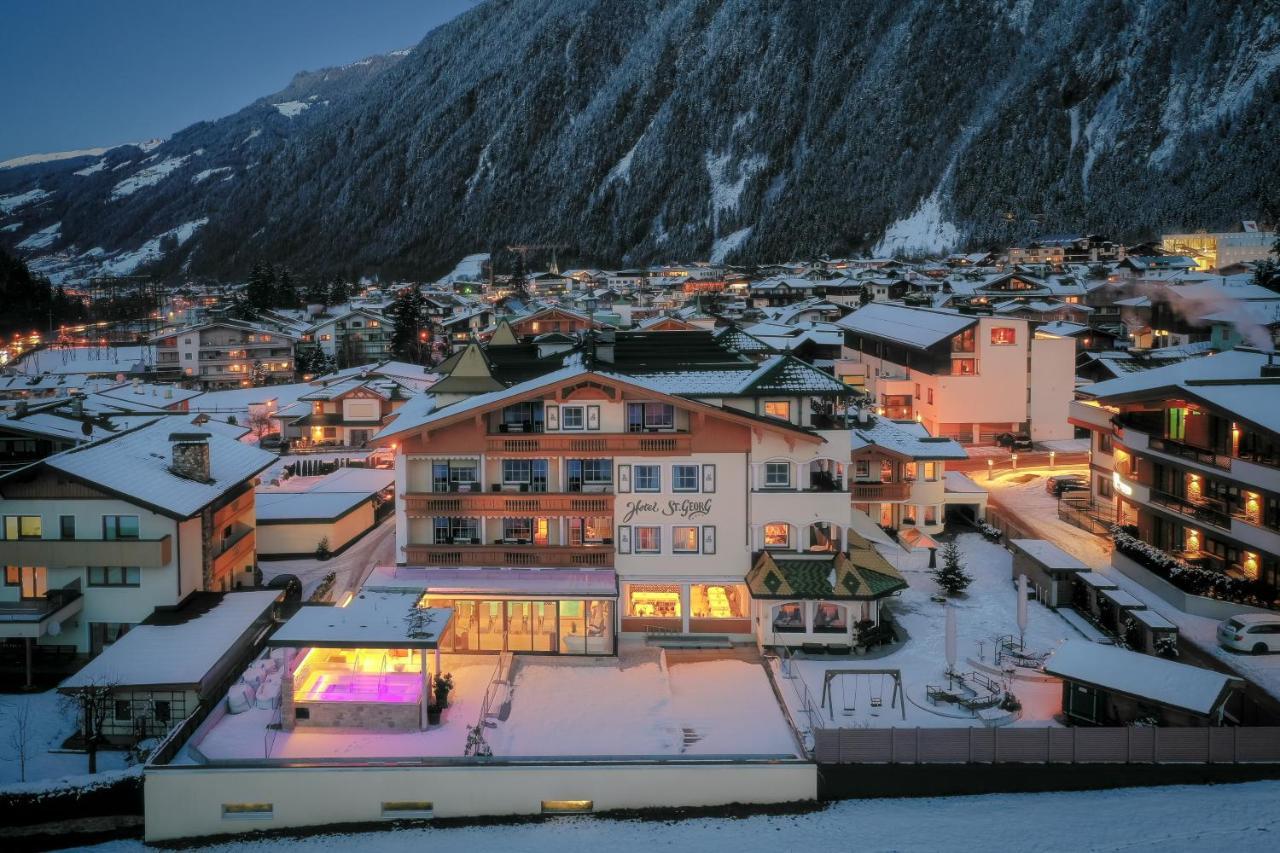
(86, 428)
(55, 628)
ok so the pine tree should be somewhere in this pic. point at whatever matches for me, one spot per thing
(285, 291)
(316, 293)
(951, 575)
(407, 316)
(518, 285)
(338, 292)
(259, 290)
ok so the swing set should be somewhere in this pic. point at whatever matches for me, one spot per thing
(875, 691)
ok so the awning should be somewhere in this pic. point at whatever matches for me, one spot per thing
(913, 538)
(371, 620)
(537, 583)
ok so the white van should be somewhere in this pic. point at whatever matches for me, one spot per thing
(1258, 633)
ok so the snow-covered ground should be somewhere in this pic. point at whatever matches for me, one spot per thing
(1187, 819)
(236, 401)
(73, 360)
(985, 613)
(50, 723)
(607, 708)
(1023, 494)
(469, 268)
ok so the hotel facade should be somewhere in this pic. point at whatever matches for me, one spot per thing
(564, 510)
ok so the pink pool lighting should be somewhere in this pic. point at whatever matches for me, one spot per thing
(390, 687)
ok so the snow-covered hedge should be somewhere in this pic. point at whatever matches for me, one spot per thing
(1186, 577)
(990, 531)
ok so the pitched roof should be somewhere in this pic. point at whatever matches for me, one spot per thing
(860, 574)
(919, 328)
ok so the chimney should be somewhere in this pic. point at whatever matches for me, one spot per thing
(190, 455)
(604, 347)
(1271, 370)
(77, 405)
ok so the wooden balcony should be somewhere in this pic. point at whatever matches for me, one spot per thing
(614, 444)
(74, 553)
(241, 553)
(500, 504)
(532, 556)
(879, 492)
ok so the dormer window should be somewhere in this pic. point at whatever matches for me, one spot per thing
(780, 409)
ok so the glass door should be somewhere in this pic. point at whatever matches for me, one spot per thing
(492, 627)
(519, 627)
(544, 626)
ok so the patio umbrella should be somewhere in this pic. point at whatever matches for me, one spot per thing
(1022, 609)
(951, 639)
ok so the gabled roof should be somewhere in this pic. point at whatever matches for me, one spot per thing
(904, 438)
(861, 574)
(135, 465)
(919, 328)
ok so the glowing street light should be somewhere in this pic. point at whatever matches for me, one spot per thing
(1015, 460)
(1052, 453)
(990, 465)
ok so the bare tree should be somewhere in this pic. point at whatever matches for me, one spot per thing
(18, 732)
(92, 703)
(260, 423)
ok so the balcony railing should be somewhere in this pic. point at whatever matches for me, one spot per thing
(530, 556)
(489, 504)
(625, 444)
(1202, 512)
(879, 492)
(1187, 451)
(238, 554)
(30, 610)
(73, 553)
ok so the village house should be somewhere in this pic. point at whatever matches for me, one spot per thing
(225, 354)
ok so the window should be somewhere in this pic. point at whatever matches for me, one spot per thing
(931, 515)
(519, 529)
(684, 478)
(777, 534)
(124, 709)
(588, 474)
(22, 527)
(862, 469)
(648, 478)
(573, 418)
(650, 416)
(119, 527)
(917, 390)
(777, 475)
(929, 393)
(931, 471)
(161, 710)
(103, 634)
(114, 576)
(460, 530)
(963, 342)
(1104, 442)
(648, 540)
(830, 618)
(1003, 336)
(1104, 487)
(591, 530)
(789, 618)
(248, 811)
(780, 409)
(684, 540)
(964, 367)
(661, 601)
(718, 601)
(67, 526)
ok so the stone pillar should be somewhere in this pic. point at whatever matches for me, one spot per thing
(287, 716)
(426, 687)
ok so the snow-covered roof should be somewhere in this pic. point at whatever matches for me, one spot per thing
(298, 507)
(1236, 364)
(1062, 329)
(136, 466)
(916, 327)
(182, 654)
(1048, 554)
(1166, 682)
(906, 438)
(150, 393)
(595, 583)
(382, 620)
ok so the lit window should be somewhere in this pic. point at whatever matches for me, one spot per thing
(1004, 336)
(648, 540)
(684, 540)
(789, 618)
(654, 600)
(717, 601)
(830, 618)
(22, 527)
(780, 409)
(777, 534)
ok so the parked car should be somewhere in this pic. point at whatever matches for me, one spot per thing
(271, 441)
(1062, 483)
(1014, 441)
(1257, 633)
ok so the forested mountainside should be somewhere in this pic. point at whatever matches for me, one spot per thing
(638, 130)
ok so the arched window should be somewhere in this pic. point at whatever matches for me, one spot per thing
(824, 536)
(777, 534)
(829, 618)
(788, 618)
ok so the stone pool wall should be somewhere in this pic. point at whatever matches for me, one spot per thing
(385, 716)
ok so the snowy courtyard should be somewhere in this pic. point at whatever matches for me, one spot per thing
(49, 723)
(1240, 818)
(985, 613)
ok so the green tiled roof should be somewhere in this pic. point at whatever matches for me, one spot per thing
(860, 574)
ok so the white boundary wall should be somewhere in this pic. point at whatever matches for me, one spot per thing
(187, 802)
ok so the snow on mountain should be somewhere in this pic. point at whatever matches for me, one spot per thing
(204, 175)
(924, 232)
(91, 170)
(43, 238)
(730, 243)
(469, 268)
(33, 159)
(152, 250)
(148, 177)
(292, 109)
(10, 203)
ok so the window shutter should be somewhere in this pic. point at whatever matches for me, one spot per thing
(624, 539)
(593, 417)
(553, 418)
(624, 478)
(708, 539)
(708, 478)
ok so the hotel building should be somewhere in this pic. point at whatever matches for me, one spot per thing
(627, 486)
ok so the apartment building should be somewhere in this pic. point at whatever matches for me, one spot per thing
(1189, 456)
(358, 336)
(639, 473)
(226, 354)
(899, 474)
(965, 376)
(346, 413)
(97, 537)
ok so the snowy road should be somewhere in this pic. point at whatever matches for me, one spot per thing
(1238, 818)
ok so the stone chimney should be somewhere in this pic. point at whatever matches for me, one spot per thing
(190, 455)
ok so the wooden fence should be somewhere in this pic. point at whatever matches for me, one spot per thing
(1044, 745)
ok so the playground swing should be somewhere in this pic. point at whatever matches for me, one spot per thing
(878, 694)
(848, 706)
(875, 692)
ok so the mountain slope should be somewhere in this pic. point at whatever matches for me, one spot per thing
(642, 129)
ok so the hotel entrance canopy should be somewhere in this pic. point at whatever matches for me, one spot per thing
(372, 620)
(523, 583)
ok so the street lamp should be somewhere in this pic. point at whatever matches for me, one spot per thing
(1015, 460)
(1052, 453)
(990, 464)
